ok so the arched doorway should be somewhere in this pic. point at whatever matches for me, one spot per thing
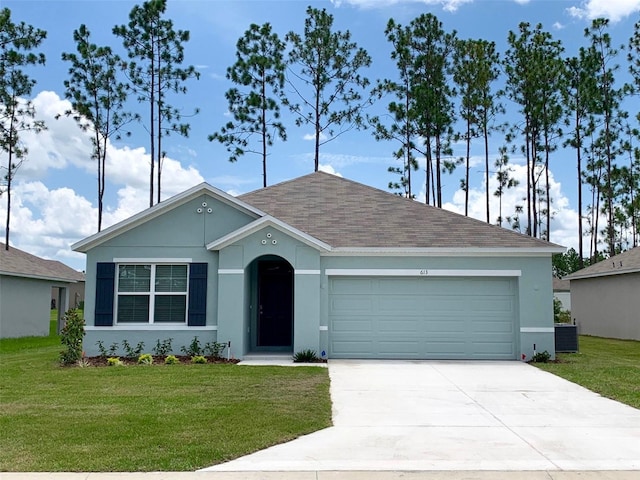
(273, 317)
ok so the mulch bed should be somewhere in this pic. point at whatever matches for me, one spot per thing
(157, 360)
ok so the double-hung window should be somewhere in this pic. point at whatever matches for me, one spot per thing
(152, 293)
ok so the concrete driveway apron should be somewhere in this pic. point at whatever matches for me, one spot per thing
(462, 415)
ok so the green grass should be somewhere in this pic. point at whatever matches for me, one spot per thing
(607, 366)
(147, 418)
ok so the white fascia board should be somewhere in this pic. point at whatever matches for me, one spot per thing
(265, 222)
(442, 252)
(159, 209)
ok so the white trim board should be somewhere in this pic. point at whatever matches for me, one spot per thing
(537, 329)
(230, 271)
(419, 272)
(150, 328)
(307, 272)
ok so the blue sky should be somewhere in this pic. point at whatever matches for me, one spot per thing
(54, 203)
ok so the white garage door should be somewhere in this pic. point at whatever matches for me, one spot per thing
(422, 317)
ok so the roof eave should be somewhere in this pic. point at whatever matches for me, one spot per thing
(38, 277)
(601, 274)
(447, 251)
(268, 221)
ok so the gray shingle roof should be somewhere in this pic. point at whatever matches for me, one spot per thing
(347, 214)
(560, 285)
(625, 262)
(15, 262)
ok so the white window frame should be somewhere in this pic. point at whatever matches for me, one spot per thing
(151, 293)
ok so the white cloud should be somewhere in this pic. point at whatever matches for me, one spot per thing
(45, 222)
(340, 160)
(329, 169)
(312, 136)
(447, 5)
(614, 10)
(564, 224)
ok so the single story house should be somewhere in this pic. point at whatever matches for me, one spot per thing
(26, 285)
(605, 297)
(562, 292)
(323, 263)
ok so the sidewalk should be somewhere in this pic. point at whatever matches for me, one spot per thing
(333, 475)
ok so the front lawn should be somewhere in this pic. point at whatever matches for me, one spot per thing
(147, 418)
(607, 366)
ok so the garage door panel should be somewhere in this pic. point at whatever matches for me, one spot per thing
(400, 286)
(401, 303)
(351, 304)
(443, 327)
(352, 325)
(398, 348)
(393, 326)
(352, 348)
(348, 286)
(450, 349)
(439, 318)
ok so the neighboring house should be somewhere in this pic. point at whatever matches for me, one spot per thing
(26, 283)
(605, 297)
(562, 292)
(321, 263)
(76, 295)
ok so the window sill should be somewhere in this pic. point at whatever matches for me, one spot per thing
(152, 327)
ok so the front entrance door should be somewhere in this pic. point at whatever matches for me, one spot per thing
(275, 304)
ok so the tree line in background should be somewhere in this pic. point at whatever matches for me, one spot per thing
(445, 90)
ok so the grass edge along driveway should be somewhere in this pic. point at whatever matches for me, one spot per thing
(606, 366)
(147, 418)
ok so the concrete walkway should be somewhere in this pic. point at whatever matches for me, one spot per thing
(328, 475)
(458, 416)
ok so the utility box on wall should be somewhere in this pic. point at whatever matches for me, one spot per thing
(566, 336)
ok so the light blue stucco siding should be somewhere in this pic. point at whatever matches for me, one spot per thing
(182, 234)
(237, 296)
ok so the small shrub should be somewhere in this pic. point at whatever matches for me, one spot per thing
(113, 349)
(171, 360)
(132, 352)
(164, 348)
(71, 337)
(114, 362)
(305, 356)
(541, 357)
(214, 349)
(145, 359)
(198, 359)
(101, 349)
(194, 348)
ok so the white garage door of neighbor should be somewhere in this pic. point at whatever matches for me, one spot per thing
(422, 318)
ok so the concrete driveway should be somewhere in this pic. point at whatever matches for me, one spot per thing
(438, 415)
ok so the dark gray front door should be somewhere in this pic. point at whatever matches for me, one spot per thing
(275, 304)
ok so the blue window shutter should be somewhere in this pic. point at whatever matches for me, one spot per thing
(105, 285)
(197, 294)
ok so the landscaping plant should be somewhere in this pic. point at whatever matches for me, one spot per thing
(71, 337)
